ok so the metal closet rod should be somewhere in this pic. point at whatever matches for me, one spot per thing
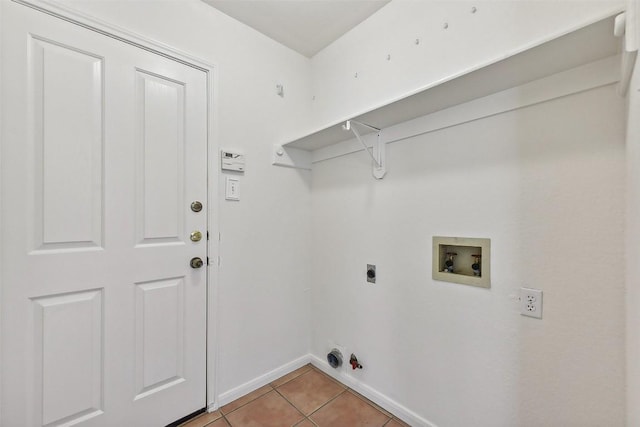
(347, 126)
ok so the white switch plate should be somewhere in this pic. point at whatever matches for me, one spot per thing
(232, 191)
(531, 302)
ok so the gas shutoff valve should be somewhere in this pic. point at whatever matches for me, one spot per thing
(354, 362)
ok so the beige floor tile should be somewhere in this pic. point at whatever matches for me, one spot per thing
(304, 390)
(220, 423)
(349, 410)
(202, 420)
(397, 423)
(310, 390)
(291, 375)
(387, 413)
(245, 399)
(269, 410)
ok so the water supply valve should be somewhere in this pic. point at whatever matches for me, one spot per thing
(354, 362)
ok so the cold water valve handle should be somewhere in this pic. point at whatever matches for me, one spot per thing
(354, 362)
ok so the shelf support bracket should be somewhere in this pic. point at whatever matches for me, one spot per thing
(291, 157)
(379, 149)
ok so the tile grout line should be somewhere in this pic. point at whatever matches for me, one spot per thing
(372, 404)
(272, 389)
(201, 415)
(245, 404)
(290, 403)
(290, 379)
(346, 389)
(355, 394)
(329, 401)
(321, 406)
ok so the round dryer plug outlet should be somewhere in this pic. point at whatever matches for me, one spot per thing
(335, 358)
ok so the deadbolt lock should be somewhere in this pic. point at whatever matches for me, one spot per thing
(196, 206)
(196, 236)
(196, 262)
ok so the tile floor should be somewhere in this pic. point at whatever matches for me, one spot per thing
(305, 397)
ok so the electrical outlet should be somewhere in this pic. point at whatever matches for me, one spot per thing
(531, 302)
(371, 273)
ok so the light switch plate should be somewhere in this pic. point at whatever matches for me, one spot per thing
(232, 191)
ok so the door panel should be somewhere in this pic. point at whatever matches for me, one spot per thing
(103, 319)
(160, 328)
(67, 109)
(68, 346)
(160, 106)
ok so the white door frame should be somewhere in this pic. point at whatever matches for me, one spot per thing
(1, 245)
(129, 37)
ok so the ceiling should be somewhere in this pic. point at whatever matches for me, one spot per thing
(306, 26)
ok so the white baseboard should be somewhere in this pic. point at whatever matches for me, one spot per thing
(256, 383)
(375, 396)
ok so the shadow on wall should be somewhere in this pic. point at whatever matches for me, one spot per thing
(571, 212)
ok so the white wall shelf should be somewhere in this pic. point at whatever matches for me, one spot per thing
(585, 45)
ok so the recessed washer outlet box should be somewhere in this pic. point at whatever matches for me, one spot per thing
(463, 260)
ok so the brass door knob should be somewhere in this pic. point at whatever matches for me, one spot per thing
(195, 236)
(196, 262)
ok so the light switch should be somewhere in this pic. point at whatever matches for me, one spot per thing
(232, 191)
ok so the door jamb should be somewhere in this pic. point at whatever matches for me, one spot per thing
(1, 255)
(73, 16)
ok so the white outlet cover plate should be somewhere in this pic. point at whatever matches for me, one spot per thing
(531, 302)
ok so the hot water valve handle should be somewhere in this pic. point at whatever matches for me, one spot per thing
(354, 362)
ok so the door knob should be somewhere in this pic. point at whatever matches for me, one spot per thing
(195, 236)
(196, 262)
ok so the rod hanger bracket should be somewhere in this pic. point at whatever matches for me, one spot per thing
(379, 148)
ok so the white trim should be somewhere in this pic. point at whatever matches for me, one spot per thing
(585, 77)
(256, 383)
(372, 394)
(1, 225)
(631, 26)
(110, 30)
(630, 46)
(213, 250)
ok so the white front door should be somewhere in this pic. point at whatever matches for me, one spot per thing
(104, 149)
